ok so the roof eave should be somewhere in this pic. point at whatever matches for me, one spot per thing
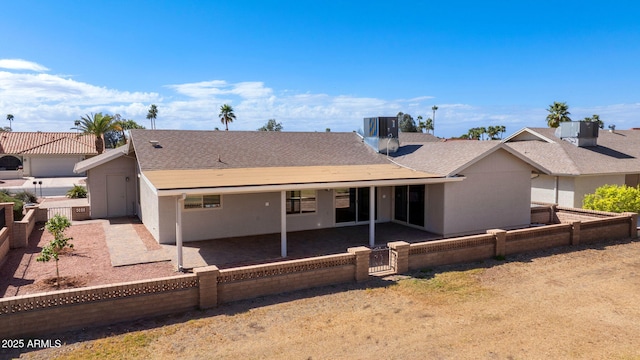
(289, 187)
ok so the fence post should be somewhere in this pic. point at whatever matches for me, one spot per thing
(207, 286)
(362, 262)
(575, 232)
(401, 250)
(500, 236)
(8, 223)
(633, 226)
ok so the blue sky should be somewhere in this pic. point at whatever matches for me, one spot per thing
(318, 64)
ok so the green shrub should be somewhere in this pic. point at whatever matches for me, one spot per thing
(17, 205)
(27, 197)
(77, 192)
(613, 198)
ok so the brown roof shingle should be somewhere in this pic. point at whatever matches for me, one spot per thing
(191, 149)
(616, 153)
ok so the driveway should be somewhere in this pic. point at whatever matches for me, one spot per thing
(44, 187)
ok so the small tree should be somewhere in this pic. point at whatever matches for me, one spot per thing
(56, 226)
(271, 125)
(613, 198)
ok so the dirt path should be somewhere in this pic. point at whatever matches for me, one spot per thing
(580, 305)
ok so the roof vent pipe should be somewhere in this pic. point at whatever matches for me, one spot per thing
(612, 128)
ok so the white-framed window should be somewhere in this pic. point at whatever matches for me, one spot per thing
(301, 201)
(202, 202)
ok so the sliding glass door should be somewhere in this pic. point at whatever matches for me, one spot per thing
(352, 205)
(409, 204)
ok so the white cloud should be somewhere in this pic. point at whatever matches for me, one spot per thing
(49, 102)
(19, 64)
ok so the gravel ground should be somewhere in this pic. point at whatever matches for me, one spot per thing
(87, 264)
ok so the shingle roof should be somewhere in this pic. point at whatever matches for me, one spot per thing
(443, 158)
(189, 149)
(616, 153)
(108, 155)
(411, 137)
(47, 143)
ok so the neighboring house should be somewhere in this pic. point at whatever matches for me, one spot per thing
(495, 192)
(578, 159)
(197, 185)
(43, 154)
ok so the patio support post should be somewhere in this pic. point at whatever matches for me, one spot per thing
(179, 206)
(372, 216)
(283, 223)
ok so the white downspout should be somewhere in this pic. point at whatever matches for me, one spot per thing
(179, 206)
(555, 201)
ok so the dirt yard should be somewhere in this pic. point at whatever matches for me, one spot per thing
(581, 304)
(86, 265)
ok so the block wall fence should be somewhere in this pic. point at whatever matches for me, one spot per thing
(207, 287)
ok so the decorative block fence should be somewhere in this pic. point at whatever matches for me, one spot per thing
(207, 287)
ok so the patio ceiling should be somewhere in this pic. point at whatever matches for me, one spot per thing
(174, 182)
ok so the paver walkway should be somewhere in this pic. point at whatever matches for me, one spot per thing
(126, 248)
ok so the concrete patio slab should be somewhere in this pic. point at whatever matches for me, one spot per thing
(126, 247)
(250, 250)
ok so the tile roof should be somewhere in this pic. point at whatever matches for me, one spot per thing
(616, 152)
(190, 149)
(47, 143)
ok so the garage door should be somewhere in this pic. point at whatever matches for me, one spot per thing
(53, 166)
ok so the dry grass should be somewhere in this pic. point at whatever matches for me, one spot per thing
(581, 305)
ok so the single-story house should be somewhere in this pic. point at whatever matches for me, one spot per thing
(43, 154)
(579, 158)
(197, 185)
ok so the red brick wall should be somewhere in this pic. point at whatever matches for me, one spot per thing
(4, 244)
(451, 251)
(523, 240)
(259, 280)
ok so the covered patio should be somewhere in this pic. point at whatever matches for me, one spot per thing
(258, 249)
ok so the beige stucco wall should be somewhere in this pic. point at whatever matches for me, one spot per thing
(97, 185)
(588, 184)
(242, 215)
(543, 188)
(571, 189)
(148, 212)
(496, 193)
(434, 213)
(384, 199)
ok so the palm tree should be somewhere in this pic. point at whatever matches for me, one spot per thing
(10, 118)
(558, 112)
(429, 126)
(96, 124)
(492, 132)
(502, 130)
(596, 119)
(152, 115)
(123, 125)
(433, 121)
(226, 115)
